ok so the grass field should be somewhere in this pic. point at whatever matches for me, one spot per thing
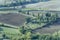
(9, 32)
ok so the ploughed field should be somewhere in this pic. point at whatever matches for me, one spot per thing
(50, 29)
(12, 19)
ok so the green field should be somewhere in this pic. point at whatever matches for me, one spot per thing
(6, 30)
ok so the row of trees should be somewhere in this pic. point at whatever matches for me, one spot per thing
(44, 18)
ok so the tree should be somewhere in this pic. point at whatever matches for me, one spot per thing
(26, 33)
(38, 15)
(47, 16)
(28, 36)
(33, 14)
(28, 19)
(35, 36)
(42, 18)
(57, 16)
(27, 12)
(22, 29)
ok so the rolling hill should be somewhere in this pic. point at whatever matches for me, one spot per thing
(50, 5)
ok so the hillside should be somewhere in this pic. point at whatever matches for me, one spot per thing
(50, 5)
(20, 2)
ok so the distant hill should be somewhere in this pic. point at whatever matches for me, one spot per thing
(50, 5)
(16, 2)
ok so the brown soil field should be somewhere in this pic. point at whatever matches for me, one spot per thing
(12, 19)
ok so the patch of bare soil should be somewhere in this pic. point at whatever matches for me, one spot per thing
(12, 19)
